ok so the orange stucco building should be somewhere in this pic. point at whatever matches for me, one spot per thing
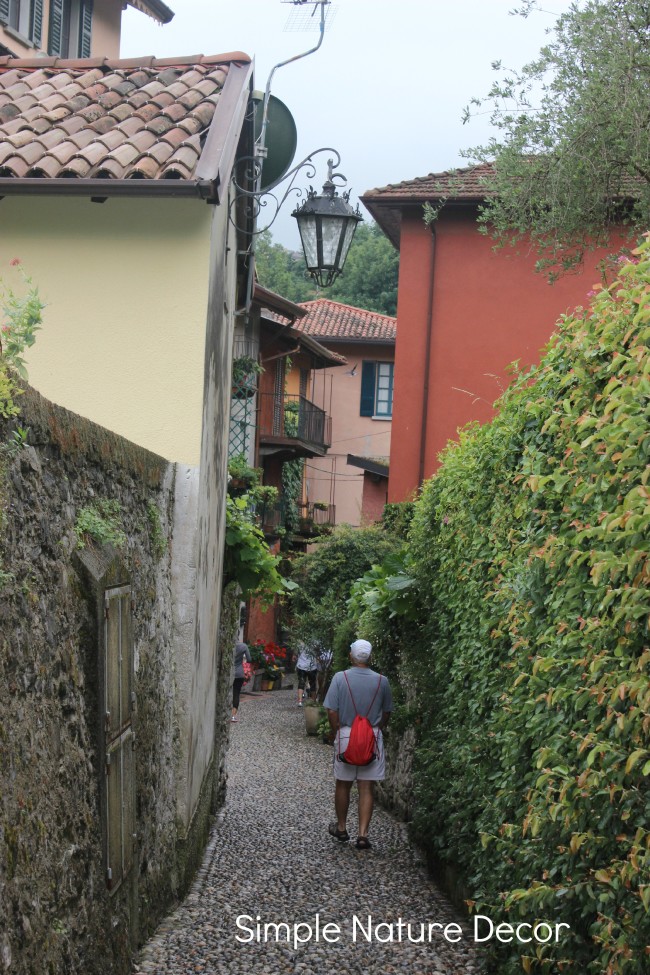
(465, 311)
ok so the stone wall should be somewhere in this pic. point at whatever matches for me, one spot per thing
(56, 913)
(396, 791)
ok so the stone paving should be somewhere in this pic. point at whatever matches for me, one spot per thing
(270, 856)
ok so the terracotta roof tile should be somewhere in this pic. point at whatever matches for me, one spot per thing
(327, 319)
(457, 184)
(140, 118)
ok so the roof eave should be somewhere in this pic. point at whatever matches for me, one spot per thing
(368, 465)
(275, 302)
(220, 149)
(386, 210)
(155, 9)
(354, 340)
(101, 189)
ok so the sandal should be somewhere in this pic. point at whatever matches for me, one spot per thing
(363, 843)
(339, 834)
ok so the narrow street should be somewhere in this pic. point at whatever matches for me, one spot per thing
(271, 856)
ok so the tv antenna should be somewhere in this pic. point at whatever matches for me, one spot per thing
(303, 16)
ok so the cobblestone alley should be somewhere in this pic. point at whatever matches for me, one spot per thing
(271, 856)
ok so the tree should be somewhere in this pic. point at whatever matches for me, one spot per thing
(572, 160)
(282, 270)
(369, 279)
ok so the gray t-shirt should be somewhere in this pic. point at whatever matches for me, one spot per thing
(363, 684)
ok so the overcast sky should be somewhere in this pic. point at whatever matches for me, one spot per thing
(386, 89)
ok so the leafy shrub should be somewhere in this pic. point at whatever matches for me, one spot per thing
(247, 559)
(158, 538)
(324, 577)
(530, 552)
(100, 522)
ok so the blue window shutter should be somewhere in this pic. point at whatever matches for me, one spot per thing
(4, 10)
(56, 28)
(36, 27)
(367, 407)
(85, 28)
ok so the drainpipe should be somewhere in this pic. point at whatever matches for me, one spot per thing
(427, 362)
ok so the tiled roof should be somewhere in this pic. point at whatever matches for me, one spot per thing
(333, 320)
(110, 120)
(457, 184)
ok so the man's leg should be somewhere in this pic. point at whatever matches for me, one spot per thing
(342, 802)
(366, 789)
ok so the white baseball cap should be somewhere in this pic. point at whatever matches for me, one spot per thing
(360, 650)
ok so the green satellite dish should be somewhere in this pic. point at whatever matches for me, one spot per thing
(281, 140)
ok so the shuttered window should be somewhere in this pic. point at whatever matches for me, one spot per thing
(118, 707)
(25, 17)
(376, 389)
(367, 407)
(70, 28)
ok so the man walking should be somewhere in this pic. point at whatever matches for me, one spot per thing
(357, 691)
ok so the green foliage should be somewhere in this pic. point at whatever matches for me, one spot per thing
(325, 576)
(282, 270)
(22, 319)
(240, 470)
(292, 477)
(247, 559)
(158, 539)
(397, 517)
(386, 589)
(574, 138)
(369, 279)
(531, 670)
(101, 523)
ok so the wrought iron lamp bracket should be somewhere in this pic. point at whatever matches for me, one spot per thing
(252, 166)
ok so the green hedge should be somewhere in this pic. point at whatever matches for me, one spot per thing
(530, 549)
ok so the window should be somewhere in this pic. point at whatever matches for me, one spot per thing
(377, 389)
(25, 17)
(70, 28)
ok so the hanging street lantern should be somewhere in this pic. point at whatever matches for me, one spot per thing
(326, 225)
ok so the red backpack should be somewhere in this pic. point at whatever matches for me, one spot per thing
(362, 744)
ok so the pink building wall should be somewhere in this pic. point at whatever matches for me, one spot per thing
(331, 478)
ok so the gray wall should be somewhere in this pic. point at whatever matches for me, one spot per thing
(56, 914)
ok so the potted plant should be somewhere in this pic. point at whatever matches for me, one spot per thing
(323, 729)
(245, 370)
(241, 476)
(313, 714)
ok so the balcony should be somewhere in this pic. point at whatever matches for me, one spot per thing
(311, 519)
(316, 518)
(292, 426)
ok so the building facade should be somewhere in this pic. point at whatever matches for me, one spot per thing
(361, 404)
(465, 311)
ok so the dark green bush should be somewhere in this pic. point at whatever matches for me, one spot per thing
(530, 552)
(324, 577)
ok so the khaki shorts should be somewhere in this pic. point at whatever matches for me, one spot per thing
(375, 772)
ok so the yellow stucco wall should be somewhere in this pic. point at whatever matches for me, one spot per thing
(126, 287)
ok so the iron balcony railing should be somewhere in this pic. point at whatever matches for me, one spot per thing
(293, 417)
(317, 513)
(309, 517)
